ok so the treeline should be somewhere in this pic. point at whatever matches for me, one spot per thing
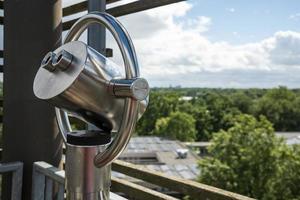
(194, 114)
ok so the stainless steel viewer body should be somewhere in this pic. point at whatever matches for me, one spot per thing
(82, 88)
(80, 81)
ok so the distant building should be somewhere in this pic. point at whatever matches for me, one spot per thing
(290, 137)
(199, 147)
(186, 98)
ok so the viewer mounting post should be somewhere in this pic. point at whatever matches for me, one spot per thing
(32, 28)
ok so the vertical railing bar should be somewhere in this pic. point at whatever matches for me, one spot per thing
(38, 185)
(49, 189)
(61, 192)
(17, 180)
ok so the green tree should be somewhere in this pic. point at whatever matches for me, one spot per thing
(213, 113)
(204, 123)
(249, 159)
(281, 107)
(285, 183)
(178, 125)
(242, 102)
(161, 104)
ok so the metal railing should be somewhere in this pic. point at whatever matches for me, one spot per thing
(16, 169)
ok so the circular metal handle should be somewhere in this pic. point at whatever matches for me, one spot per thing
(132, 71)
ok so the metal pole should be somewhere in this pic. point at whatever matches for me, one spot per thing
(31, 29)
(97, 40)
(96, 34)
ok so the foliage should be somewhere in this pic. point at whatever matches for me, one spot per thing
(213, 109)
(203, 124)
(281, 106)
(178, 125)
(249, 159)
(161, 105)
(219, 107)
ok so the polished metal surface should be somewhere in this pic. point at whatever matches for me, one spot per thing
(83, 83)
(62, 60)
(84, 181)
(81, 88)
(132, 108)
(135, 88)
(47, 61)
(44, 171)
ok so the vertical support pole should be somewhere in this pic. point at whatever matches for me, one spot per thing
(97, 40)
(96, 33)
(32, 28)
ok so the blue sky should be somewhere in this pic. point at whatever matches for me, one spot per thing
(217, 43)
(240, 21)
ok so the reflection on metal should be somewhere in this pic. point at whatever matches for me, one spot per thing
(132, 71)
(45, 176)
(82, 82)
(81, 159)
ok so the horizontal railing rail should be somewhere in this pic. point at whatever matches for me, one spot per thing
(80, 7)
(135, 191)
(117, 11)
(44, 174)
(192, 189)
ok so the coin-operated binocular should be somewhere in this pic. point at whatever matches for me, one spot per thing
(81, 82)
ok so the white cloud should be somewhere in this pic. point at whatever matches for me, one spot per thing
(232, 10)
(295, 16)
(285, 48)
(173, 47)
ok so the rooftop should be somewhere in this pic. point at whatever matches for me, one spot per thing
(159, 154)
(290, 137)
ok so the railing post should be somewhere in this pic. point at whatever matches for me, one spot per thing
(44, 177)
(38, 185)
(16, 171)
(17, 178)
